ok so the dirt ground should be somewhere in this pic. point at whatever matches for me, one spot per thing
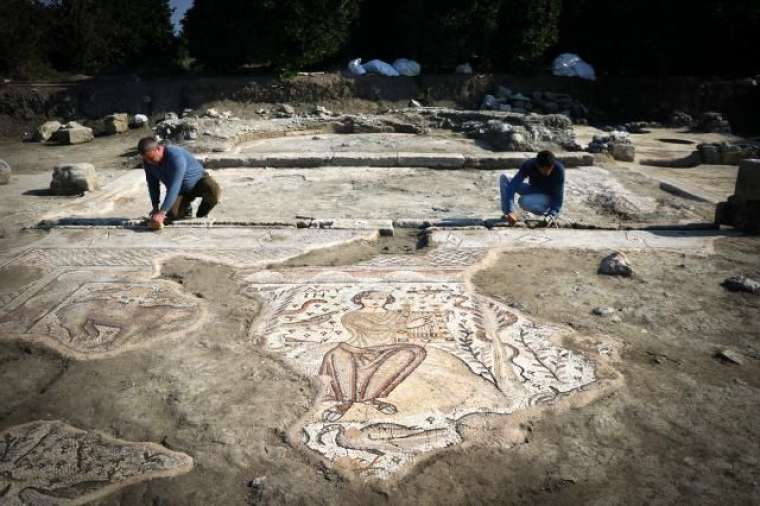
(681, 427)
(681, 430)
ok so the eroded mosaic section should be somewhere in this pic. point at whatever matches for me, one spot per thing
(102, 318)
(50, 462)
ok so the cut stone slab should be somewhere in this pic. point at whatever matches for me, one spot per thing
(5, 172)
(74, 133)
(370, 159)
(73, 179)
(51, 462)
(47, 130)
(437, 160)
(616, 264)
(364, 159)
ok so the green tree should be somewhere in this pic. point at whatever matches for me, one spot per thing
(95, 36)
(24, 38)
(288, 34)
(527, 29)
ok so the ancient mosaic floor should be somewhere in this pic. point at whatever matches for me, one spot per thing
(406, 352)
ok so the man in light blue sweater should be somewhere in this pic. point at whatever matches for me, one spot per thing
(184, 179)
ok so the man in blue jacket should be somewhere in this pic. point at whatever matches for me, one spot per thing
(542, 194)
(184, 179)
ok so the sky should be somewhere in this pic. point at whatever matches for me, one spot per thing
(180, 6)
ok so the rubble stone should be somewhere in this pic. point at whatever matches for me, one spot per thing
(5, 172)
(604, 311)
(73, 179)
(742, 284)
(680, 119)
(505, 131)
(616, 264)
(46, 131)
(617, 144)
(713, 122)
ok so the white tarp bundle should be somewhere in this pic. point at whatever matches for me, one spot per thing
(400, 67)
(572, 65)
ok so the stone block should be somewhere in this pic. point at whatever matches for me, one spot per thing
(73, 179)
(623, 152)
(116, 123)
(74, 133)
(748, 181)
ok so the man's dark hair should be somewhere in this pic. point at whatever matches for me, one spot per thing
(545, 159)
(146, 144)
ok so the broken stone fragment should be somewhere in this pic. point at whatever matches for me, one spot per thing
(286, 109)
(604, 311)
(5, 172)
(616, 264)
(680, 119)
(73, 179)
(46, 131)
(742, 283)
(728, 355)
(74, 133)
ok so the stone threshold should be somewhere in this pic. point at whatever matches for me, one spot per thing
(400, 159)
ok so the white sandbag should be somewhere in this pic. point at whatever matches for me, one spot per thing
(572, 65)
(464, 68)
(380, 67)
(406, 67)
(355, 67)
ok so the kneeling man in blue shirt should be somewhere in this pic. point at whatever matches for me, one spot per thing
(542, 194)
(184, 178)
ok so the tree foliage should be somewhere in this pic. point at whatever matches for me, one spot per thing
(225, 34)
(637, 37)
(24, 28)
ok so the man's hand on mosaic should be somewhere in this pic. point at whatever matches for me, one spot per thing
(510, 218)
(157, 220)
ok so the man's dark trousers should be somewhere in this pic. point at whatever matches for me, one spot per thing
(207, 189)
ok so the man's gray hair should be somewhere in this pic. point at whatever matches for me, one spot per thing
(146, 144)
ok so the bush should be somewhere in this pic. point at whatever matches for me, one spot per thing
(287, 34)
